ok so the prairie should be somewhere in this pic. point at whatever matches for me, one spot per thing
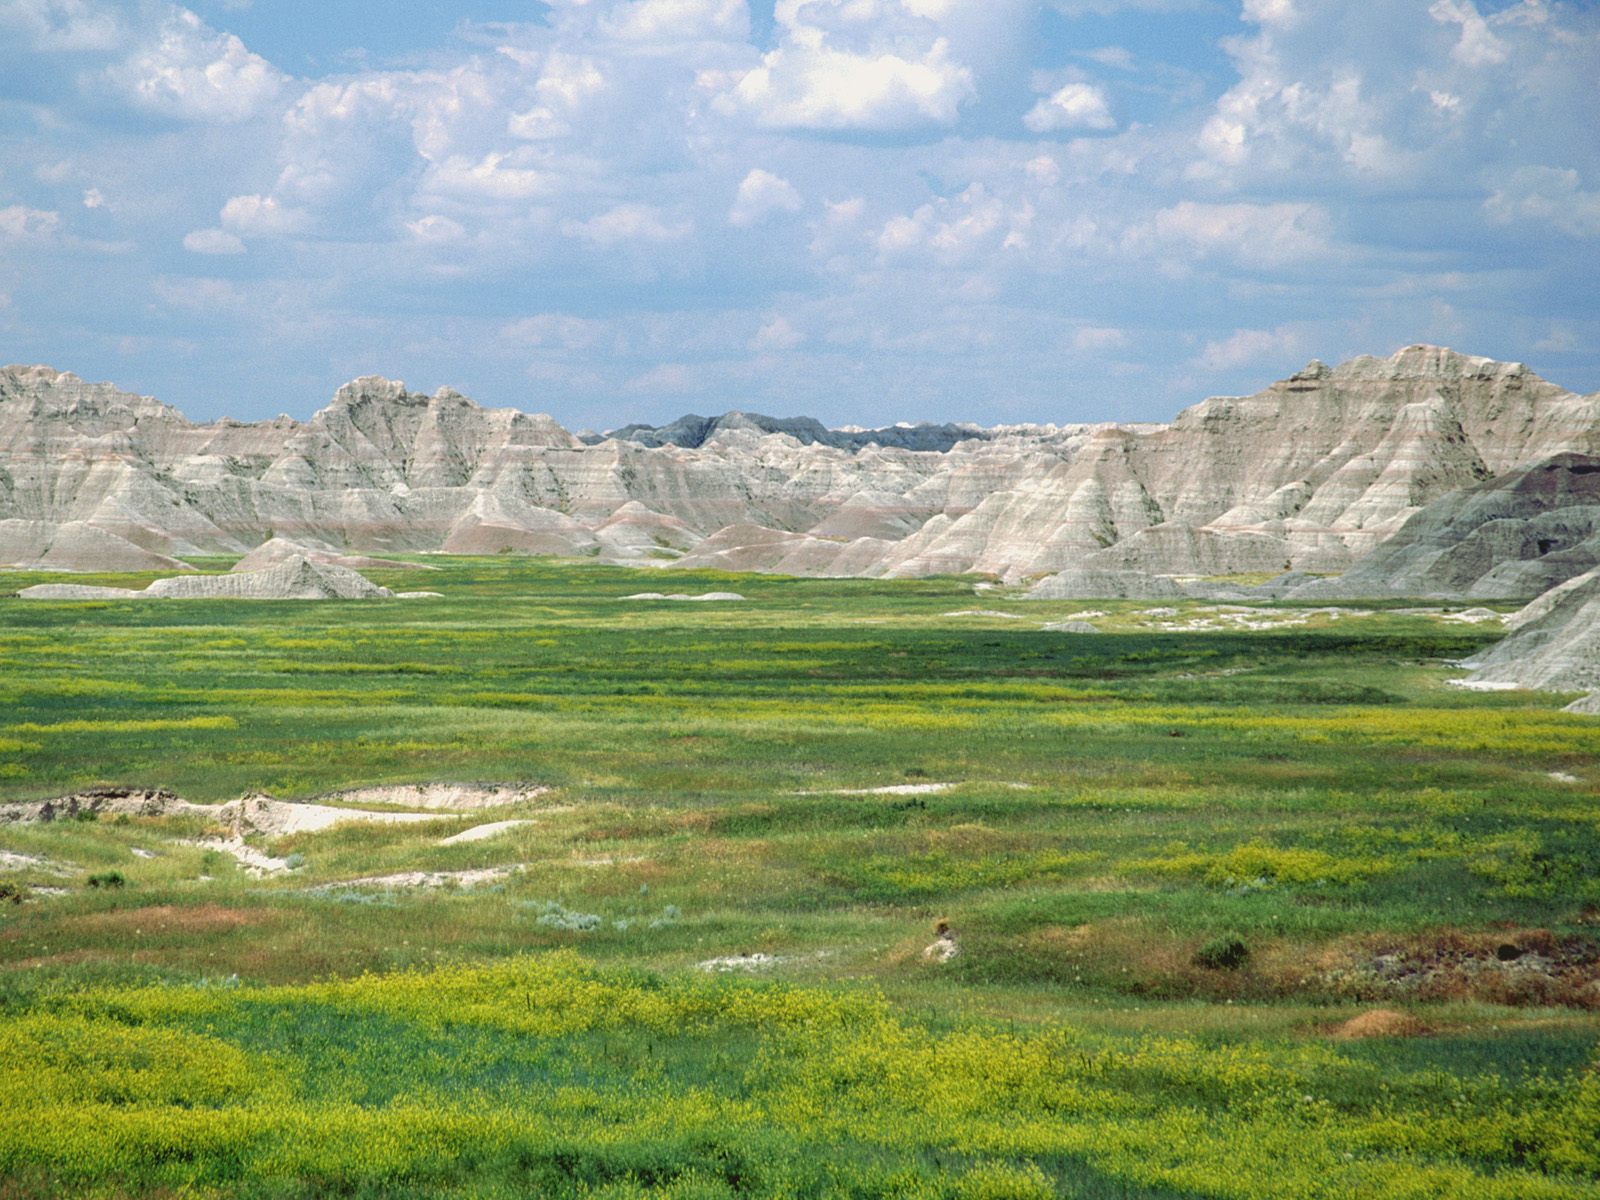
(1247, 904)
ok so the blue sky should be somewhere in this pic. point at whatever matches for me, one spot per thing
(863, 210)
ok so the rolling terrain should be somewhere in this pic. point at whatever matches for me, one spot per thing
(538, 887)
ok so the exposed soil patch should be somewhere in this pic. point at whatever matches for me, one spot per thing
(456, 797)
(1523, 968)
(132, 802)
(482, 833)
(1380, 1023)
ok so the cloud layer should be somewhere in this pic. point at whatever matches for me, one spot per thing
(870, 210)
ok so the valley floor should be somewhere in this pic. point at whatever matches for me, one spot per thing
(1242, 902)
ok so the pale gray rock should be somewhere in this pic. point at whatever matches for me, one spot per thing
(1308, 475)
(1105, 585)
(1554, 644)
(295, 578)
(1510, 537)
(281, 549)
(76, 591)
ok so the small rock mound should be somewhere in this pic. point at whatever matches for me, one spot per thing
(295, 578)
(281, 549)
(944, 947)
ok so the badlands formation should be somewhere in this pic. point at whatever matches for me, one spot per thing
(1429, 473)
(1311, 475)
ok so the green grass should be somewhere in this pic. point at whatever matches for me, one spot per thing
(1117, 803)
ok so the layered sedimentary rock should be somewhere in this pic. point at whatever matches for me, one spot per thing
(294, 578)
(1510, 537)
(1311, 474)
(1553, 645)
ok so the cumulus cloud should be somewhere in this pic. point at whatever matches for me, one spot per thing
(1075, 106)
(776, 336)
(436, 229)
(817, 87)
(762, 194)
(62, 26)
(554, 330)
(1404, 171)
(565, 84)
(671, 378)
(1247, 346)
(1548, 196)
(212, 241)
(18, 223)
(680, 20)
(1251, 235)
(627, 223)
(191, 72)
(262, 216)
(1098, 339)
(872, 65)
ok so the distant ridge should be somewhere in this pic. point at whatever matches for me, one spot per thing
(693, 431)
(1310, 475)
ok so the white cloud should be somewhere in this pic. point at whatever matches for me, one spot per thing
(968, 228)
(262, 216)
(212, 241)
(63, 26)
(436, 229)
(1478, 46)
(1097, 339)
(1547, 196)
(1246, 346)
(559, 330)
(1075, 106)
(680, 20)
(94, 198)
(673, 378)
(567, 82)
(627, 223)
(489, 178)
(193, 73)
(1268, 236)
(775, 336)
(870, 65)
(19, 223)
(760, 195)
(821, 88)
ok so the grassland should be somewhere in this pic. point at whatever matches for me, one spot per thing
(1182, 858)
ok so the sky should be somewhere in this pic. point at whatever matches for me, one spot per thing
(865, 211)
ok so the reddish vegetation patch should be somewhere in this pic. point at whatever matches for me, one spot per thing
(1530, 967)
(1380, 1023)
(168, 918)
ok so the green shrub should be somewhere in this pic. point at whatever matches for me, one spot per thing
(1225, 953)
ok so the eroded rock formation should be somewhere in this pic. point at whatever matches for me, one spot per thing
(1312, 474)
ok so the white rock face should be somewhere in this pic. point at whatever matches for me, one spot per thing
(295, 578)
(1309, 475)
(1554, 645)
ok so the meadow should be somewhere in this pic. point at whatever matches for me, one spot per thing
(1248, 904)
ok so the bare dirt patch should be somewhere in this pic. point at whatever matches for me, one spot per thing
(1524, 968)
(482, 833)
(454, 797)
(1380, 1023)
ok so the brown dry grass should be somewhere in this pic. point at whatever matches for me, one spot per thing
(1380, 1023)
